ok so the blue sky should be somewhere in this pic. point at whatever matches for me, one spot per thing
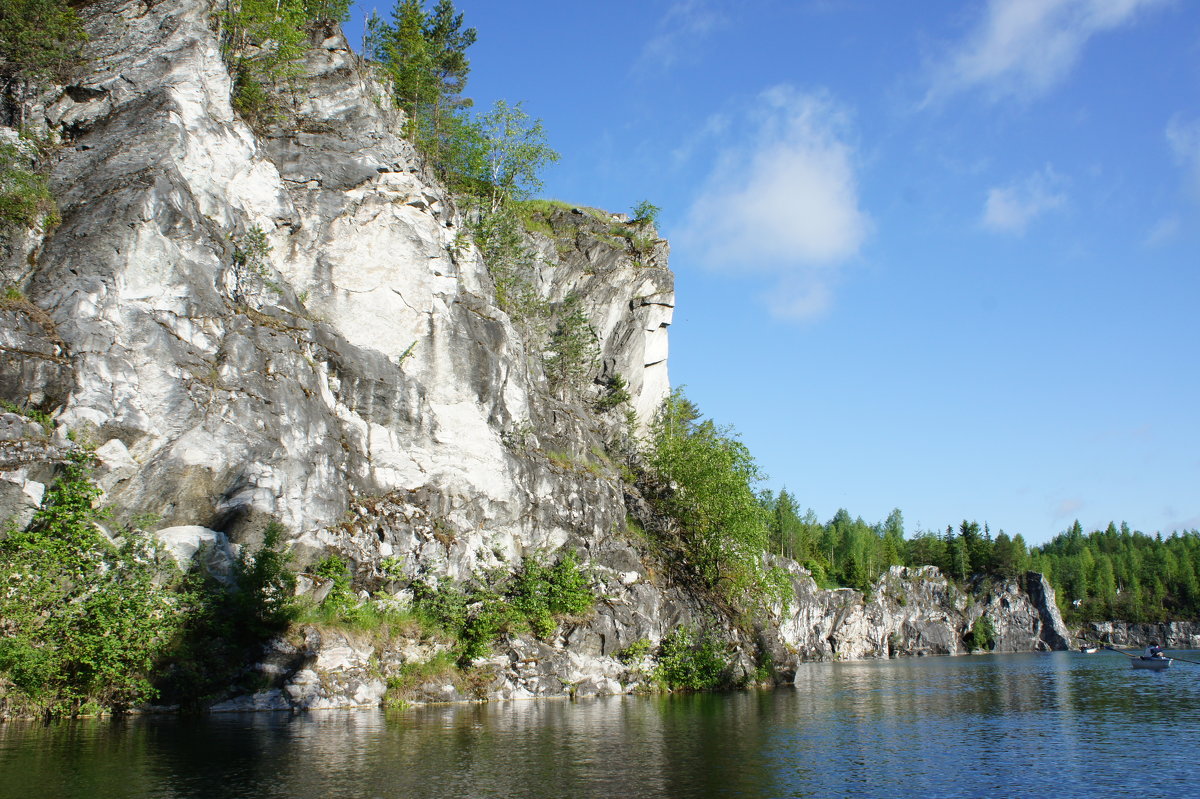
(942, 256)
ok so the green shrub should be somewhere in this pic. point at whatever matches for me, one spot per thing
(224, 627)
(84, 622)
(616, 392)
(40, 40)
(692, 660)
(711, 477)
(251, 100)
(263, 41)
(333, 567)
(573, 352)
(635, 651)
(33, 414)
(25, 199)
(532, 598)
(645, 211)
(982, 634)
(511, 265)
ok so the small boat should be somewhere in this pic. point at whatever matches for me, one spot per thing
(1154, 664)
(1089, 650)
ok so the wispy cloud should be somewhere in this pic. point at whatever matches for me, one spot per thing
(1010, 209)
(1067, 508)
(686, 24)
(1184, 138)
(1024, 48)
(782, 199)
(1177, 522)
(1163, 231)
(714, 127)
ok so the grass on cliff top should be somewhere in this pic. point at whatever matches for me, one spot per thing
(535, 214)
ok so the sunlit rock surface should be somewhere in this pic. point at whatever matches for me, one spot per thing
(359, 383)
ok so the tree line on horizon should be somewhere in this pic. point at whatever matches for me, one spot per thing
(1111, 574)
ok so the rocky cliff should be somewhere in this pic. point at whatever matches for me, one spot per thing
(292, 325)
(1170, 635)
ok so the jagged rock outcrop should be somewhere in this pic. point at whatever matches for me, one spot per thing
(1170, 635)
(913, 612)
(293, 325)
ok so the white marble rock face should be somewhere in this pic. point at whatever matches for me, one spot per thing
(360, 385)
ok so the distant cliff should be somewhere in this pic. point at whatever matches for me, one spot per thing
(294, 325)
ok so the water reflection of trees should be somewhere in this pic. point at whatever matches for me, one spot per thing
(993, 725)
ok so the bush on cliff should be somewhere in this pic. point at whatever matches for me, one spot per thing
(263, 40)
(40, 40)
(25, 198)
(982, 635)
(710, 477)
(692, 660)
(83, 620)
(223, 627)
(533, 598)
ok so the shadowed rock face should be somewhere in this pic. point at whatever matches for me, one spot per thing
(359, 382)
(1169, 635)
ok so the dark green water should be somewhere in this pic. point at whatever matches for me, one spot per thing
(1059, 725)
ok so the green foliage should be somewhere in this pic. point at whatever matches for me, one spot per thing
(423, 56)
(87, 624)
(635, 651)
(83, 620)
(40, 40)
(251, 99)
(616, 392)
(982, 634)
(496, 161)
(535, 214)
(574, 350)
(392, 567)
(25, 198)
(224, 626)
(691, 660)
(1104, 575)
(412, 674)
(33, 414)
(251, 252)
(645, 211)
(511, 265)
(711, 475)
(495, 157)
(1119, 573)
(336, 569)
(375, 617)
(341, 608)
(263, 40)
(514, 152)
(530, 599)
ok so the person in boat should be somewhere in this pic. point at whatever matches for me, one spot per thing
(1154, 650)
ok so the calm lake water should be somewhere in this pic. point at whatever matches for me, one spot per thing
(1044, 725)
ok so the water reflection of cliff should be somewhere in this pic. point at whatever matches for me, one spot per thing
(1011, 725)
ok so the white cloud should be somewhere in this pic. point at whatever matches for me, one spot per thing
(1024, 48)
(1010, 209)
(714, 127)
(1184, 138)
(1163, 231)
(1067, 508)
(806, 296)
(686, 23)
(783, 199)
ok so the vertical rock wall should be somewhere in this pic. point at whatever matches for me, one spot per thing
(292, 324)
